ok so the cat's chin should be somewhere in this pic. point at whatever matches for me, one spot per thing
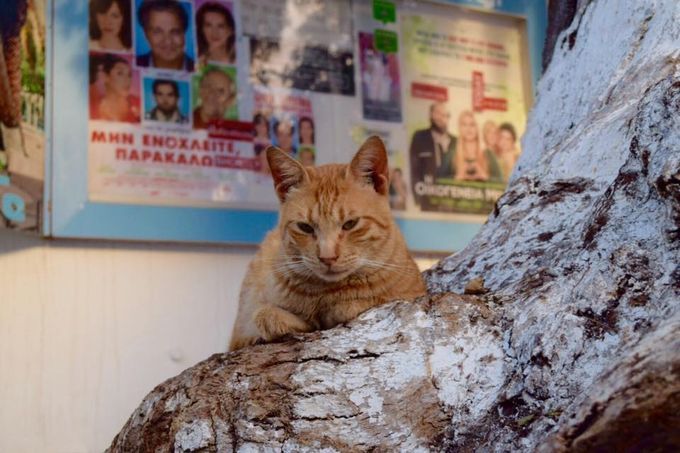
(334, 276)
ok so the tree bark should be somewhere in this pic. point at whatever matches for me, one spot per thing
(574, 346)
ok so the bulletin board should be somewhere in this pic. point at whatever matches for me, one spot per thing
(161, 110)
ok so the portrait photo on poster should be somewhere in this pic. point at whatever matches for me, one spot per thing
(380, 87)
(466, 92)
(164, 35)
(215, 97)
(166, 100)
(113, 88)
(215, 32)
(284, 129)
(110, 26)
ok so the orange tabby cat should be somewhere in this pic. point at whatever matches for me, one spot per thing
(335, 253)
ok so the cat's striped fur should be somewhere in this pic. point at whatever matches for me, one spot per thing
(335, 253)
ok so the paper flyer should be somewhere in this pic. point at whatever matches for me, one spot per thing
(381, 90)
(284, 118)
(465, 92)
(301, 44)
(163, 100)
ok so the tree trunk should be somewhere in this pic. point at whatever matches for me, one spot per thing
(576, 344)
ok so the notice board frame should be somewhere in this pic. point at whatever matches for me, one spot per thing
(68, 212)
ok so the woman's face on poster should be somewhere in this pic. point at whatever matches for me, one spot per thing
(216, 30)
(119, 79)
(262, 129)
(468, 128)
(306, 133)
(505, 141)
(110, 22)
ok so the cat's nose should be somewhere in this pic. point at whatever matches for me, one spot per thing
(328, 260)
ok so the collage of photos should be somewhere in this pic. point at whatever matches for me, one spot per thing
(283, 119)
(170, 69)
(162, 63)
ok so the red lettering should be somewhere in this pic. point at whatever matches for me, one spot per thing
(134, 155)
(112, 137)
(121, 153)
(98, 136)
(158, 140)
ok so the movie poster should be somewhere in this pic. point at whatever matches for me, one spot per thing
(283, 118)
(380, 87)
(392, 138)
(301, 44)
(163, 100)
(467, 109)
(22, 119)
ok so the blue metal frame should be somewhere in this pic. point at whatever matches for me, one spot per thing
(69, 213)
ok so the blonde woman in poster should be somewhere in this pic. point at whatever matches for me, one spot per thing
(472, 163)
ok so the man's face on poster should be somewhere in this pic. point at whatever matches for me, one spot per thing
(166, 37)
(284, 136)
(439, 118)
(166, 99)
(216, 94)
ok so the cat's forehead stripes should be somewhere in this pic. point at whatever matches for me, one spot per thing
(329, 186)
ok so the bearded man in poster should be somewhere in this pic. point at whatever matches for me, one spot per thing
(432, 150)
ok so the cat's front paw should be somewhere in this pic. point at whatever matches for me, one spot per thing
(273, 322)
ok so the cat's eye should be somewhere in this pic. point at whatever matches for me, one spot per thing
(305, 227)
(349, 224)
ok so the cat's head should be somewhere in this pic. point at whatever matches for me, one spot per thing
(335, 219)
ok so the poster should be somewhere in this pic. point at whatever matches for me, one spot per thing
(163, 107)
(380, 87)
(466, 97)
(392, 138)
(284, 118)
(301, 44)
(22, 119)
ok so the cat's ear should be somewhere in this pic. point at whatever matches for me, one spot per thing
(286, 171)
(370, 165)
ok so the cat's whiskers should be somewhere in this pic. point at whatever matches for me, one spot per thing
(391, 268)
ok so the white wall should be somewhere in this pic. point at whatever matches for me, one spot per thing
(88, 328)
